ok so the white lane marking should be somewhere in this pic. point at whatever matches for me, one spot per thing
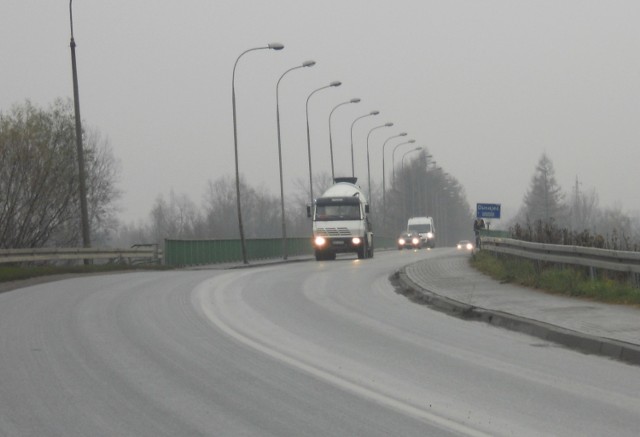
(207, 295)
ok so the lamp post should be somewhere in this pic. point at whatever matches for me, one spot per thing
(406, 153)
(355, 100)
(384, 189)
(393, 156)
(389, 124)
(82, 188)
(284, 226)
(353, 172)
(332, 84)
(272, 46)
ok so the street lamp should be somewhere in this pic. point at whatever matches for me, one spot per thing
(82, 188)
(272, 46)
(284, 226)
(332, 84)
(393, 156)
(353, 173)
(355, 100)
(384, 189)
(406, 153)
(368, 165)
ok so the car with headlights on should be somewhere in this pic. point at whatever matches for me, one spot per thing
(409, 240)
(464, 245)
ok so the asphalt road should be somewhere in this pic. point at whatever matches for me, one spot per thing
(300, 349)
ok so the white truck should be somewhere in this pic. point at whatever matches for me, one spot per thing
(425, 229)
(341, 221)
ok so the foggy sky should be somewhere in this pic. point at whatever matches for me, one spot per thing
(486, 86)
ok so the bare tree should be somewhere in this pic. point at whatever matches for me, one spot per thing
(298, 223)
(263, 216)
(176, 218)
(583, 208)
(38, 177)
(220, 213)
(616, 225)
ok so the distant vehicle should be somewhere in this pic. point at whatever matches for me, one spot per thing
(425, 228)
(341, 221)
(465, 245)
(409, 240)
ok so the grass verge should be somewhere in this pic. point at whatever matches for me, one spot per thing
(565, 281)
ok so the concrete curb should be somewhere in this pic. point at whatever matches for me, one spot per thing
(589, 344)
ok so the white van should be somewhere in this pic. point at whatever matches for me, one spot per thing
(425, 228)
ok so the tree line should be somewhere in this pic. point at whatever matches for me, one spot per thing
(39, 202)
(420, 189)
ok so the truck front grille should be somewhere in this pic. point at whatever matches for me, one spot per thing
(333, 232)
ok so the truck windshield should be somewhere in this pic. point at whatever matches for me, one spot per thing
(338, 212)
(421, 228)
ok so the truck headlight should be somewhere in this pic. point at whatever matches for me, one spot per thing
(429, 235)
(356, 241)
(320, 241)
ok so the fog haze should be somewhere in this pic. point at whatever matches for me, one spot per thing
(486, 86)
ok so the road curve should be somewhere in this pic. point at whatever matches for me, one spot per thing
(300, 349)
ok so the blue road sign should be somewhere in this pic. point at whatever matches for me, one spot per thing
(488, 210)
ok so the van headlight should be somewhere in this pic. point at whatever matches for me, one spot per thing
(356, 241)
(429, 235)
(320, 241)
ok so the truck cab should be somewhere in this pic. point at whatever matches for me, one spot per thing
(341, 222)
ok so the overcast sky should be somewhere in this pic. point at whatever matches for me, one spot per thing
(486, 86)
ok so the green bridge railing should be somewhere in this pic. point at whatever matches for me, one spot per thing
(202, 252)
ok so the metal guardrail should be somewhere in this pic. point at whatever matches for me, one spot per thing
(617, 260)
(77, 253)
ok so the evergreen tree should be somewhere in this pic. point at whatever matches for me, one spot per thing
(544, 200)
(421, 188)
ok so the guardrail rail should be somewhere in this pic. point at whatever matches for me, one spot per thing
(143, 251)
(594, 258)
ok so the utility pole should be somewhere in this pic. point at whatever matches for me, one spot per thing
(84, 210)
